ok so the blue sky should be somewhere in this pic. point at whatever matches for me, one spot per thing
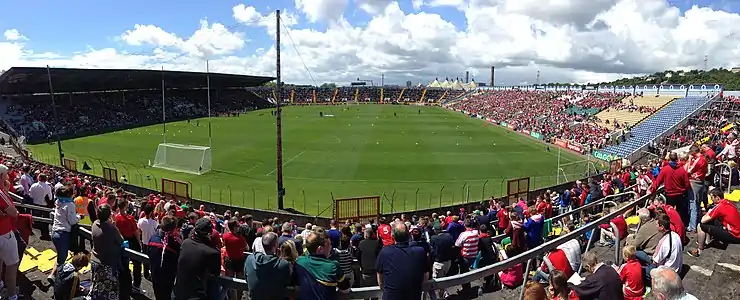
(394, 38)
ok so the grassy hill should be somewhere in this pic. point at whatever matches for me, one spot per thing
(729, 79)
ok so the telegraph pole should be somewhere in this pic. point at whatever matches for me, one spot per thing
(278, 117)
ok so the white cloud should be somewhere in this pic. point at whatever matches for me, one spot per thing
(567, 40)
(322, 10)
(14, 35)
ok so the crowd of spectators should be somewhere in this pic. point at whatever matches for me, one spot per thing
(366, 94)
(189, 246)
(33, 116)
(544, 112)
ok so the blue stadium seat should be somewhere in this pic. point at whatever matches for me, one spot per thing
(657, 124)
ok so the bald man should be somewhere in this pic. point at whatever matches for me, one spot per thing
(402, 268)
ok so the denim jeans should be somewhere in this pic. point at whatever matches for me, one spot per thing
(60, 239)
(699, 193)
(540, 275)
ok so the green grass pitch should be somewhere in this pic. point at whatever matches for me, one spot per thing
(415, 160)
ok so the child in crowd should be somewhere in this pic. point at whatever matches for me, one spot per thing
(631, 274)
(67, 281)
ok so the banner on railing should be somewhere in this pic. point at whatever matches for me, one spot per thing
(569, 145)
(728, 127)
(535, 135)
(525, 131)
(604, 156)
(504, 124)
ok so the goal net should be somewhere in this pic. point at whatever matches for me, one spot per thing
(183, 158)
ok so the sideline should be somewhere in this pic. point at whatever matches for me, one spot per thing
(286, 163)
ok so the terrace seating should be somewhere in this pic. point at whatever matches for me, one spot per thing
(657, 124)
(650, 101)
(621, 116)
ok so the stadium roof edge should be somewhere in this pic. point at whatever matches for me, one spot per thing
(33, 80)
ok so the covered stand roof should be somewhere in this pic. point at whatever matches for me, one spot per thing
(32, 80)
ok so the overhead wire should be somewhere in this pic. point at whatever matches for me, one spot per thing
(295, 48)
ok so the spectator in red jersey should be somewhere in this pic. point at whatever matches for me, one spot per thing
(503, 217)
(126, 225)
(677, 225)
(559, 261)
(676, 182)
(235, 245)
(385, 232)
(9, 256)
(607, 236)
(516, 233)
(697, 168)
(721, 223)
(631, 275)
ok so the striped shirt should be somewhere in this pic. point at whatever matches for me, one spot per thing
(468, 243)
(345, 261)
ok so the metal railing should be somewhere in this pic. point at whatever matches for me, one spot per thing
(441, 283)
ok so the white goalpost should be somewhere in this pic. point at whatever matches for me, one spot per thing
(189, 159)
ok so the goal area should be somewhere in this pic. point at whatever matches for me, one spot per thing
(189, 159)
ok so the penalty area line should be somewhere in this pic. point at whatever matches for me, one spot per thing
(286, 163)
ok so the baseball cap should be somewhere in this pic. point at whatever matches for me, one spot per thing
(204, 225)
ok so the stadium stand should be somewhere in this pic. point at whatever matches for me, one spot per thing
(657, 124)
(509, 239)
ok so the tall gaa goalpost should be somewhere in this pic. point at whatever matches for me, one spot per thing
(192, 159)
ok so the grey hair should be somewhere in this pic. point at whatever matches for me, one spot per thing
(269, 242)
(589, 259)
(667, 283)
(644, 214)
(400, 232)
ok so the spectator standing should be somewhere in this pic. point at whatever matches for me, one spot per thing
(697, 173)
(64, 217)
(402, 268)
(367, 254)
(9, 256)
(676, 182)
(266, 273)
(467, 242)
(345, 256)
(488, 255)
(602, 284)
(107, 248)
(163, 249)
(287, 235)
(257, 246)
(533, 226)
(41, 195)
(306, 232)
(721, 223)
(148, 227)
(515, 232)
(235, 245)
(442, 246)
(503, 217)
(666, 284)
(198, 262)
(126, 225)
(385, 232)
(26, 182)
(320, 277)
(334, 234)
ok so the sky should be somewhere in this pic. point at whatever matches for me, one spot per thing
(339, 41)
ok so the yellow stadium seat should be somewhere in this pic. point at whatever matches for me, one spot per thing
(734, 196)
(633, 220)
(48, 254)
(33, 252)
(45, 265)
(27, 264)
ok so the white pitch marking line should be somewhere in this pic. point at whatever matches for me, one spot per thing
(255, 166)
(286, 163)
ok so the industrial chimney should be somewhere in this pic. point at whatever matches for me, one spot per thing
(493, 69)
(467, 75)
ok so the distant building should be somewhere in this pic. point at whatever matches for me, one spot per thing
(735, 70)
(408, 84)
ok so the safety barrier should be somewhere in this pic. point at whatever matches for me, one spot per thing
(446, 282)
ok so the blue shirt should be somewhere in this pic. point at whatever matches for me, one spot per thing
(455, 229)
(298, 244)
(334, 236)
(402, 268)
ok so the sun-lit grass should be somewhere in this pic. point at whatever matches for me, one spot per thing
(415, 157)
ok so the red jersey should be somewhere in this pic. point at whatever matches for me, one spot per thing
(235, 246)
(626, 178)
(7, 224)
(709, 153)
(126, 225)
(726, 213)
(676, 222)
(631, 275)
(385, 234)
(541, 207)
(503, 218)
(559, 262)
(698, 168)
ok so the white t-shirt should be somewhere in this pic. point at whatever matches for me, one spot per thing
(668, 252)
(38, 192)
(148, 228)
(257, 246)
